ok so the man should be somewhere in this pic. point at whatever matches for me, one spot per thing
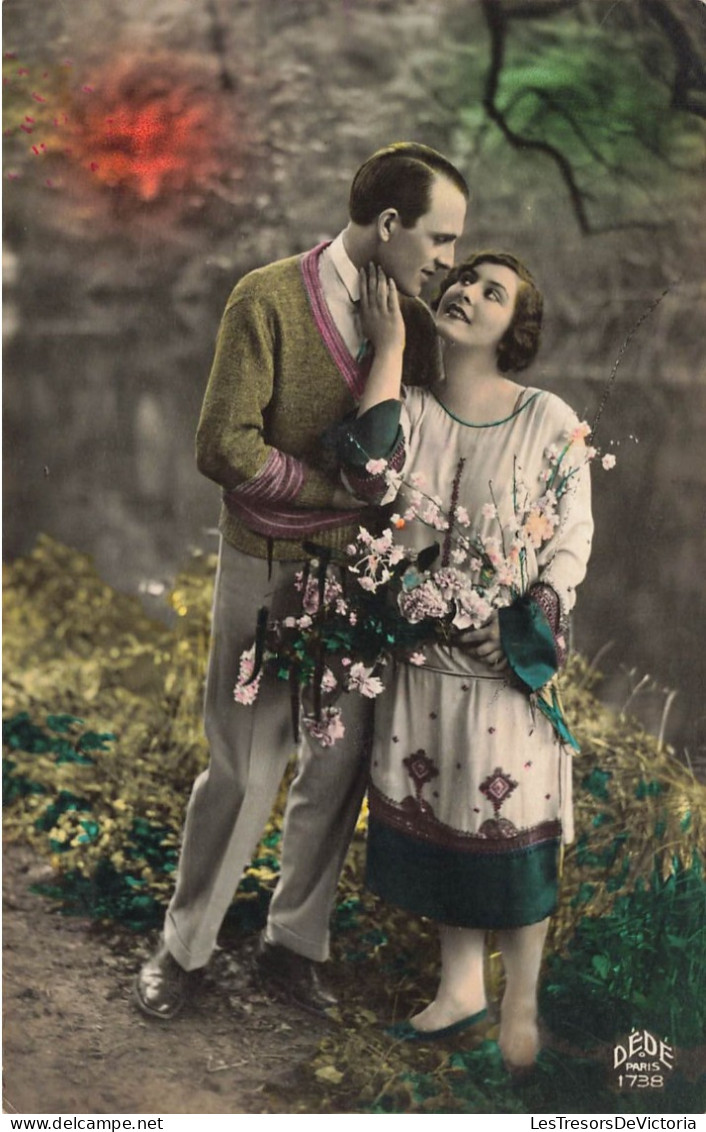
(290, 362)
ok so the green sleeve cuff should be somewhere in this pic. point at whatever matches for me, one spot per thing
(528, 642)
(374, 436)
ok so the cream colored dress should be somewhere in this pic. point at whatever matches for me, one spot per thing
(470, 793)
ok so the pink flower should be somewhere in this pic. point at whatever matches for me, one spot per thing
(360, 679)
(489, 511)
(422, 602)
(539, 528)
(608, 461)
(328, 729)
(580, 433)
(417, 658)
(367, 583)
(506, 574)
(462, 516)
(244, 693)
(492, 549)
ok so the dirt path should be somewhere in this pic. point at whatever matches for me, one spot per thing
(75, 1043)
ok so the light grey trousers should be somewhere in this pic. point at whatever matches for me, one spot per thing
(232, 800)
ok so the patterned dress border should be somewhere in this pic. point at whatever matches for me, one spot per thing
(416, 818)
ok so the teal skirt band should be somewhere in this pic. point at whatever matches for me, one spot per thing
(489, 890)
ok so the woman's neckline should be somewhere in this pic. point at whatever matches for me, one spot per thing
(488, 424)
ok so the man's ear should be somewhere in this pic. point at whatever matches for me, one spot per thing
(387, 223)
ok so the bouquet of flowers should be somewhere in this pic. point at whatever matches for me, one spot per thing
(380, 600)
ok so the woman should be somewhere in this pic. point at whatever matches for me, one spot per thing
(470, 794)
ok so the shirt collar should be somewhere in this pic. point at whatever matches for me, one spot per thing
(345, 269)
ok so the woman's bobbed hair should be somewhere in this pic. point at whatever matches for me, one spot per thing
(518, 347)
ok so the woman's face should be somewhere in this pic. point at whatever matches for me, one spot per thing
(477, 309)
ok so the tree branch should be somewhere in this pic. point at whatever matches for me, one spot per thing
(496, 18)
(218, 43)
(689, 89)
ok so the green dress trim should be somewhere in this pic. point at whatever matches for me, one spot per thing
(503, 890)
(489, 424)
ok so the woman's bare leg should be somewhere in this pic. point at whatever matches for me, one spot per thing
(521, 950)
(461, 990)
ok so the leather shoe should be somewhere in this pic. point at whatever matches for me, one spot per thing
(162, 986)
(294, 978)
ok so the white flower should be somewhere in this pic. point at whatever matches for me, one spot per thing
(384, 542)
(367, 583)
(289, 622)
(328, 681)
(393, 479)
(417, 658)
(489, 511)
(304, 622)
(360, 679)
(462, 516)
(376, 467)
(458, 556)
(471, 610)
(608, 461)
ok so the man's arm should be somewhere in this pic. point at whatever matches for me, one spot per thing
(231, 446)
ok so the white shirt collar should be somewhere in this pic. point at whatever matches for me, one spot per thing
(345, 269)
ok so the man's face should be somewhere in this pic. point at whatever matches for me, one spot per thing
(412, 256)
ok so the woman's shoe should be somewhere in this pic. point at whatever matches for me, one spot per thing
(406, 1032)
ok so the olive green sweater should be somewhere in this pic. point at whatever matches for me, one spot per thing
(280, 378)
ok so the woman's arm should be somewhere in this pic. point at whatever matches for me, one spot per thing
(384, 327)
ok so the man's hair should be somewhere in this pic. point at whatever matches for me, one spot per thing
(518, 346)
(400, 176)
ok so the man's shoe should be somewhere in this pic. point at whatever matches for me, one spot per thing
(162, 986)
(294, 978)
